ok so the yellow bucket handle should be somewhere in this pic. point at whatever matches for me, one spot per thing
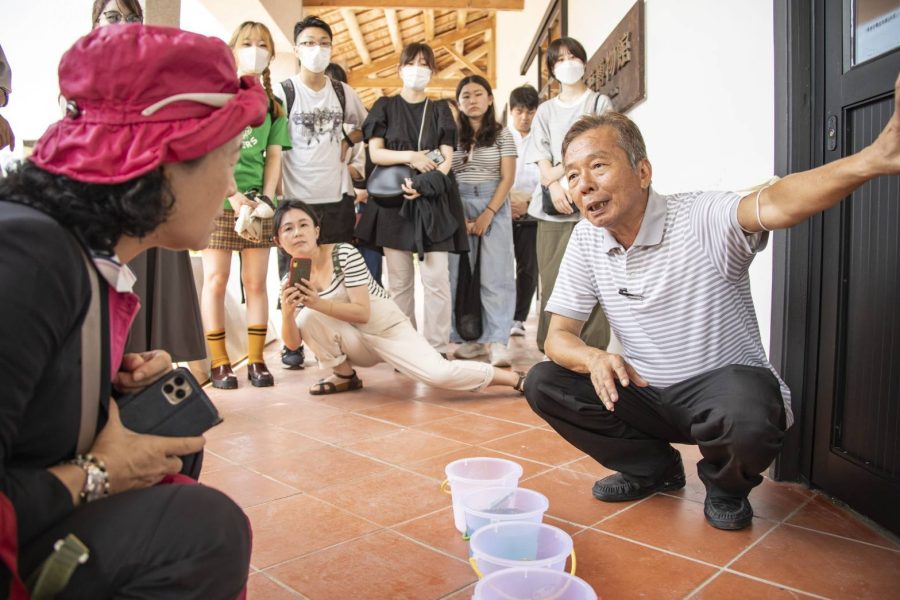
(445, 486)
(473, 562)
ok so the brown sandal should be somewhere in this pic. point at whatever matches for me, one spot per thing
(520, 384)
(323, 388)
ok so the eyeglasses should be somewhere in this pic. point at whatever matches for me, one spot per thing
(311, 44)
(113, 17)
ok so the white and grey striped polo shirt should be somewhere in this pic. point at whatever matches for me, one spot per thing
(678, 299)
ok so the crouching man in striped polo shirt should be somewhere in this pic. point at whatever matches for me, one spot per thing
(670, 273)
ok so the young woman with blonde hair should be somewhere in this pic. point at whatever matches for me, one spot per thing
(256, 174)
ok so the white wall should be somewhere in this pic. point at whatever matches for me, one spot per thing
(708, 119)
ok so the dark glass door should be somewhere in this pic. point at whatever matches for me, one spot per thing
(856, 448)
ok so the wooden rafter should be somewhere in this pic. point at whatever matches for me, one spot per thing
(396, 82)
(393, 24)
(356, 35)
(468, 63)
(428, 16)
(461, 17)
(392, 60)
(476, 54)
(420, 4)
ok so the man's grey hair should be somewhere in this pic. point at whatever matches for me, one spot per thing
(630, 139)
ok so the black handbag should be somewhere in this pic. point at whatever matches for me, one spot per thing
(386, 181)
(468, 298)
(547, 203)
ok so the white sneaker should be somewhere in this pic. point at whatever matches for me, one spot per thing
(470, 350)
(499, 355)
(517, 329)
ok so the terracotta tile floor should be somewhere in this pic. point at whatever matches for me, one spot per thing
(343, 494)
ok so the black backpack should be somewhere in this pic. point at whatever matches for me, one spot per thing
(290, 95)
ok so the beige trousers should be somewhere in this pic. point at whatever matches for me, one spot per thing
(435, 274)
(397, 343)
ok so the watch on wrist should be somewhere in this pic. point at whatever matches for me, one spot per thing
(96, 482)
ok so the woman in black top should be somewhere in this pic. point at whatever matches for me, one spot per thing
(393, 130)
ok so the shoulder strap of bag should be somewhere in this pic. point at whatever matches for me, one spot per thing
(335, 262)
(289, 94)
(422, 125)
(596, 102)
(94, 363)
(342, 98)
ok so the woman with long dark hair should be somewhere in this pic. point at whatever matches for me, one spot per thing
(142, 159)
(485, 166)
(406, 129)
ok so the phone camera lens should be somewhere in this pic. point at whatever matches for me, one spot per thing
(179, 381)
(168, 388)
(180, 394)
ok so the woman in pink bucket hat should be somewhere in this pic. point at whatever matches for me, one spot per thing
(142, 159)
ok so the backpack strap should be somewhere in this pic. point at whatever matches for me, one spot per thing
(342, 98)
(289, 94)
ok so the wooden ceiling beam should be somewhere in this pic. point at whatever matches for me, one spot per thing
(446, 39)
(461, 17)
(390, 15)
(472, 56)
(465, 61)
(361, 83)
(428, 17)
(356, 35)
(419, 4)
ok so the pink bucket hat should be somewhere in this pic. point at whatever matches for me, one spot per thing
(139, 96)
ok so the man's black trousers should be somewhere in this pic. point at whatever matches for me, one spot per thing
(734, 414)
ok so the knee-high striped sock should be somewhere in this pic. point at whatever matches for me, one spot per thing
(215, 341)
(256, 340)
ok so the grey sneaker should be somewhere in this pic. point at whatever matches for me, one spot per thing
(292, 359)
(499, 355)
(517, 329)
(470, 350)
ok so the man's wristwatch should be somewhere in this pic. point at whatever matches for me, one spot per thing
(96, 484)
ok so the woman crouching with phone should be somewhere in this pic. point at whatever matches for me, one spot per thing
(348, 320)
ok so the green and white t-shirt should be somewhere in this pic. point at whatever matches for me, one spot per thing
(248, 173)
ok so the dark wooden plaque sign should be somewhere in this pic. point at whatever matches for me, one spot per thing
(617, 68)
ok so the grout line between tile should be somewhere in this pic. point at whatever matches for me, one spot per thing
(726, 566)
(652, 547)
(842, 537)
(316, 551)
(428, 546)
(283, 585)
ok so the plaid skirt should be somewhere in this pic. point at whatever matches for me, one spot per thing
(226, 238)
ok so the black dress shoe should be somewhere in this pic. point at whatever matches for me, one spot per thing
(259, 376)
(292, 359)
(617, 488)
(728, 512)
(222, 377)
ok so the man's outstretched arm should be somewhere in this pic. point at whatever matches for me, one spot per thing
(798, 196)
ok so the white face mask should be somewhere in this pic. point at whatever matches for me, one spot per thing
(314, 59)
(415, 77)
(252, 59)
(569, 71)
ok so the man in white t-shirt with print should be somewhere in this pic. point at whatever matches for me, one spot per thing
(671, 275)
(322, 126)
(325, 117)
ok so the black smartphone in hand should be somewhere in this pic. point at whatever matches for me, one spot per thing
(300, 269)
(173, 406)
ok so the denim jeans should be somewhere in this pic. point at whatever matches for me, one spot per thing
(498, 271)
